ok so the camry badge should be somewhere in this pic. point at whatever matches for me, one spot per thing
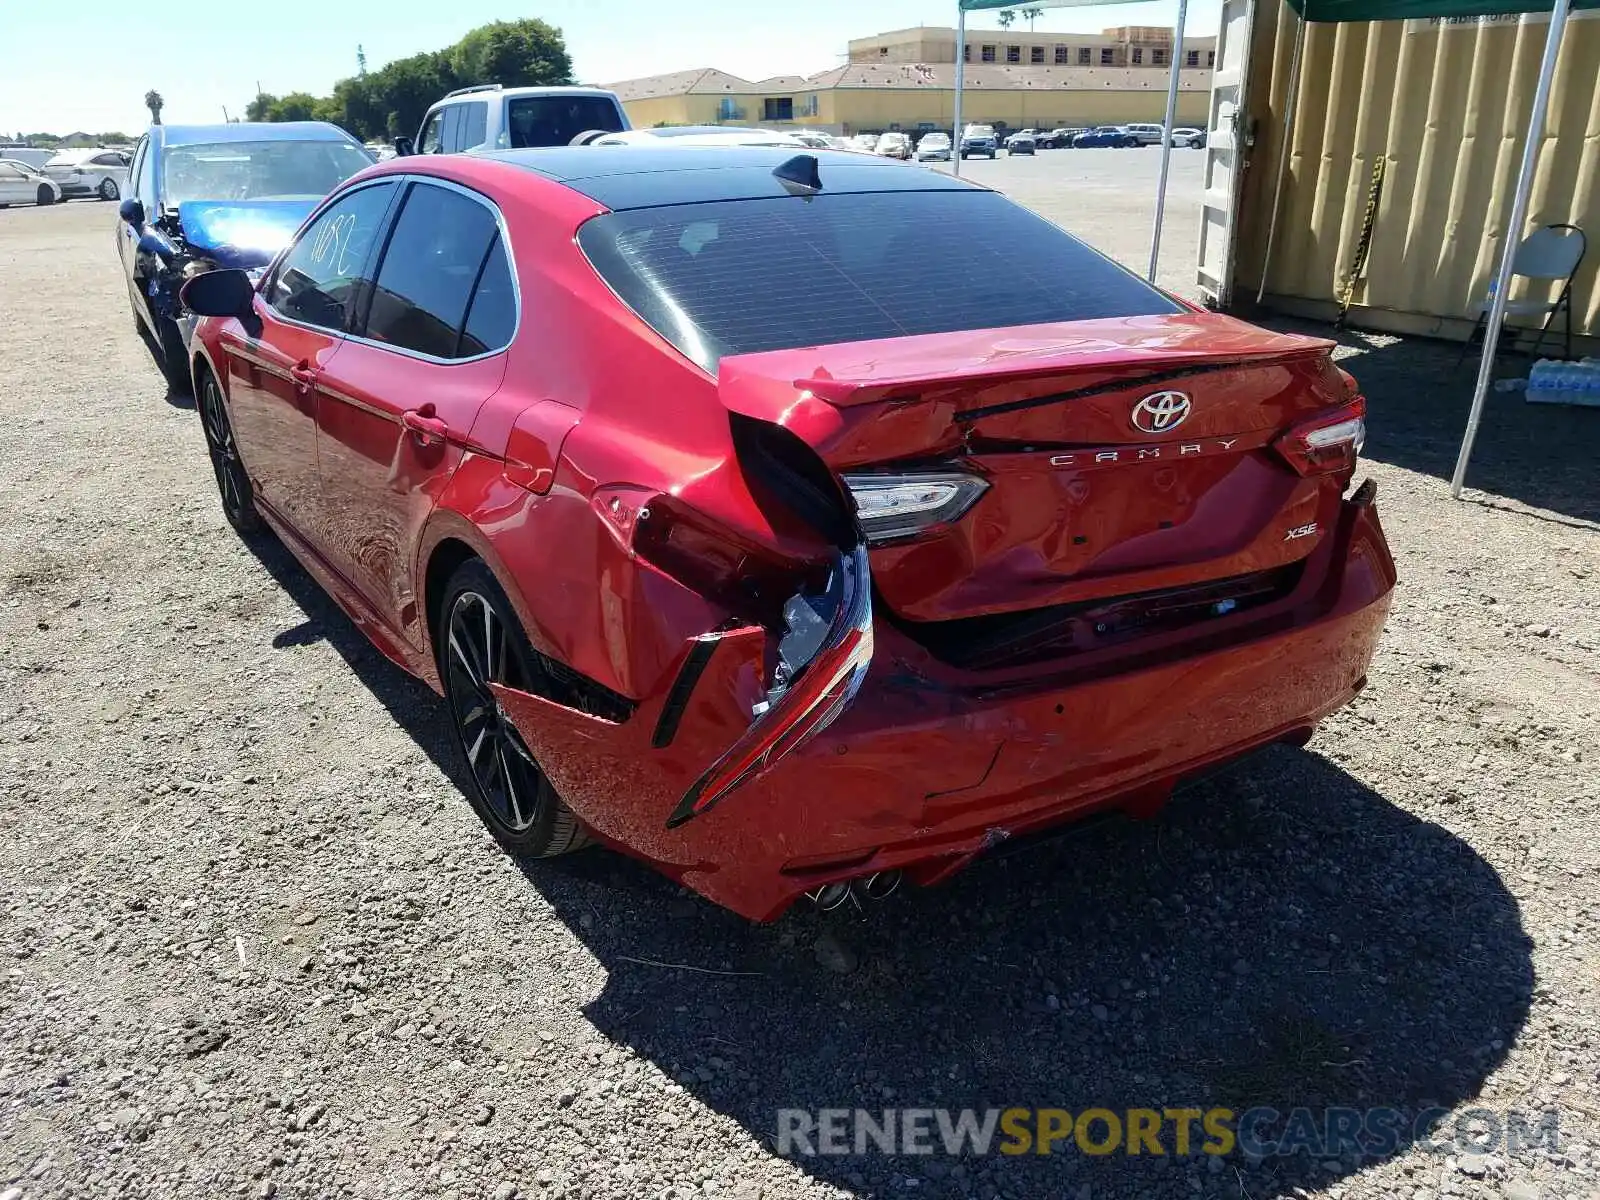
(1161, 411)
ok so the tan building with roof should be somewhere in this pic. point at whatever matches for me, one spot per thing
(906, 80)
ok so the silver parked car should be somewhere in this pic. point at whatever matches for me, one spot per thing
(22, 183)
(102, 173)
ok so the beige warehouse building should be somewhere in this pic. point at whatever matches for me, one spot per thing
(905, 79)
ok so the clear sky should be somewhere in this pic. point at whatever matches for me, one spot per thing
(86, 64)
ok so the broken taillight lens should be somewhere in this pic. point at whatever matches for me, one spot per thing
(699, 552)
(1329, 443)
(819, 673)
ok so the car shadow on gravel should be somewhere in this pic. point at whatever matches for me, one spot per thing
(173, 397)
(1418, 400)
(1280, 936)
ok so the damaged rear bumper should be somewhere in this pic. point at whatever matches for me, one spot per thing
(925, 770)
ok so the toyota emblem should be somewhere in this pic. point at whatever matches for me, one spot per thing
(1161, 411)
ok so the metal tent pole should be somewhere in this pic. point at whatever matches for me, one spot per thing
(1166, 138)
(961, 70)
(1513, 235)
(1290, 104)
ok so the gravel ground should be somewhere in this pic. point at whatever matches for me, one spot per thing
(253, 943)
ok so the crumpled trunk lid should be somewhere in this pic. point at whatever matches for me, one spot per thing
(1123, 456)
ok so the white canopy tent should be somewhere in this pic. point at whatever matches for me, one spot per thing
(966, 6)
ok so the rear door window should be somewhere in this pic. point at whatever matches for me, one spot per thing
(474, 124)
(433, 264)
(450, 139)
(735, 277)
(556, 120)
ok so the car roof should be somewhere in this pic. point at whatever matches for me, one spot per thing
(515, 92)
(628, 177)
(250, 131)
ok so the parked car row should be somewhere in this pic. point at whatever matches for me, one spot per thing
(64, 175)
(763, 629)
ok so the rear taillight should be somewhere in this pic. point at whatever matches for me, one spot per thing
(1329, 443)
(822, 660)
(901, 504)
(702, 554)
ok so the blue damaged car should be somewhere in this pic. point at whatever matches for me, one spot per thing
(206, 196)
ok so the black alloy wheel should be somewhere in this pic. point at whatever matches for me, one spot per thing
(45, 196)
(233, 483)
(481, 642)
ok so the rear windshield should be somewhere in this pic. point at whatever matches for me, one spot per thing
(741, 276)
(556, 120)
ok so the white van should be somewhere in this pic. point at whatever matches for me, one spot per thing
(491, 117)
(1148, 135)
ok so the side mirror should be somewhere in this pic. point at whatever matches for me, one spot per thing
(403, 146)
(219, 294)
(131, 210)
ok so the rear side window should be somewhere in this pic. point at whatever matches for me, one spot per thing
(556, 120)
(737, 277)
(492, 314)
(435, 260)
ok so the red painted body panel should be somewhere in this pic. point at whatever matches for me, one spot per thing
(565, 454)
(928, 767)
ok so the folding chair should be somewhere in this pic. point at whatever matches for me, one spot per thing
(1554, 252)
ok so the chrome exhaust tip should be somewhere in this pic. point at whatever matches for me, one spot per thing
(830, 896)
(881, 886)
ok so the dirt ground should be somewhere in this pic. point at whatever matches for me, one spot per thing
(254, 943)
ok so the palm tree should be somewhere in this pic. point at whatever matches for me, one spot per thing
(1032, 15)
(154, 102)
(1006, 17)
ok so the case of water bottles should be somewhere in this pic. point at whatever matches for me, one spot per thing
(1553, 382)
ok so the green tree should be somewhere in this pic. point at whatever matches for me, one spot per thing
(154, 102)
(1031, 15)
(296, 106)
(527, 53)
(403, 90)
(1006, 17)
(393, 99)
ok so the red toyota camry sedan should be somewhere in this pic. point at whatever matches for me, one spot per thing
(770, 518)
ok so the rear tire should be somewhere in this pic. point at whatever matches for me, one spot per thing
(479, 640)
(45, 196)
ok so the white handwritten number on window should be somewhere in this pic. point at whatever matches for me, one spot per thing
(332, 245)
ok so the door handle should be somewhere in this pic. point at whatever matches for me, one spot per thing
(422, 423)
(304, 376)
